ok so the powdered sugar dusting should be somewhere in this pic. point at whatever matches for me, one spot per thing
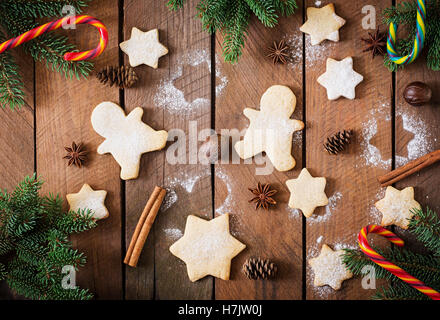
(318, 54)
(172, 99)
(294, 42)
(370, 153)
(173, 233)
(422, 141)
(181, 180)
(226, 206)
(329, 209)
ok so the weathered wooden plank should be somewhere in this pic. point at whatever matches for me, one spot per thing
(17, 138)
(417, 132)
(63, 115)
(276, 234)
(351, 176)
(172, 96)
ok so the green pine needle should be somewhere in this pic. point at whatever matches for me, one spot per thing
(231, 18)
(19, 16)
(35, 245)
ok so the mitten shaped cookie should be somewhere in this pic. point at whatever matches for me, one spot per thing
(271, 128)
(126, 137)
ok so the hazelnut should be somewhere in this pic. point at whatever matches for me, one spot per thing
(417, 93)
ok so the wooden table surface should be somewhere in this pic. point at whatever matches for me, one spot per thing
(194, 88)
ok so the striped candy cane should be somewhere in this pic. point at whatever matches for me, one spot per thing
(69, 56)
(391, 267)
(418, 41)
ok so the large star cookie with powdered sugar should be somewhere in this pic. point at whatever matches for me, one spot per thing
(207, 247)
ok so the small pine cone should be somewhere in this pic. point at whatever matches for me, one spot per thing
(123, 76)
(257, 268)
(337, 142)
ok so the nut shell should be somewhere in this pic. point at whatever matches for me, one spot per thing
(417, 93)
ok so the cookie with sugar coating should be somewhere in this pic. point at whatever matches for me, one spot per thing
(126, 137)
(271, 129)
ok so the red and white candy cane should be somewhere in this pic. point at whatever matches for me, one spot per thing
(69, 56)
(391, 267)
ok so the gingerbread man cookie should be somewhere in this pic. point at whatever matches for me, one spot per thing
(126, 137)
(271, 128)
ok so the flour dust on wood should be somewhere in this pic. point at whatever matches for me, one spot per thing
(172, 99)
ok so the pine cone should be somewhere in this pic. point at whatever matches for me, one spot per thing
(257, 268)
(123, 77)
(337, 142)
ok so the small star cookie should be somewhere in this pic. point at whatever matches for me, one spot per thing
(87, 198)
(322, 23)
(271, 129)
(207, 247)
(144, 48)
(340, 79)
(329, 268)
(307, 193)
(126, 137)
(396, 207)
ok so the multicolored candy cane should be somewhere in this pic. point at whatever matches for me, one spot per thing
(418, 41)
(391, 267)
(69, 56)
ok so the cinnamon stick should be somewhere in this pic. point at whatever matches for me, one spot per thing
(143, 226)
(409, 168)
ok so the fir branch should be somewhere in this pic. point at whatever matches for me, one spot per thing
(42, 8)
(425, 225)
(231, 18)
(265, 11)
(285, 7)
(11, 83)
(34, 244)
(175, 4)
(399, 291)
(235, 32)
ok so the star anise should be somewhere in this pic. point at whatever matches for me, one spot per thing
(376, 43)
(263, 196)
(75, 154)
(278, 52)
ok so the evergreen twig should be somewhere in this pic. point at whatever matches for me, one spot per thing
(231, 18)
(19, 16)
(34, 244)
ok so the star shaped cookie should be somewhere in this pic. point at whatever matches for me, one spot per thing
(329, 268)
(322, 23)
(87, 198)
(126, 137)
(144, 48)
(396, 207)
(207, 247)
(271, 129)
(307, 193)
(340, 79)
